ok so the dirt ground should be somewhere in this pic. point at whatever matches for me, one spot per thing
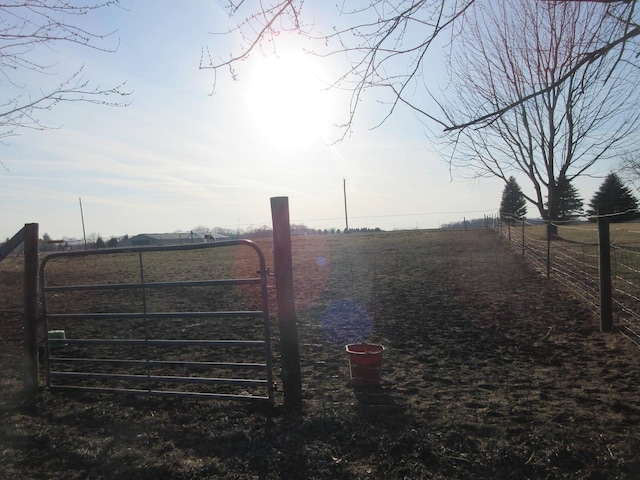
(490, 371)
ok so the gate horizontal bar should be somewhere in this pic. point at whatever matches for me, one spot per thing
(156, 363)
(159, 315)
(165, 393)
(159, 342)
(159, 378)
(138, 285)
(156, 248)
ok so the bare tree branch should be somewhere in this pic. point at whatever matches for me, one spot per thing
(587, 59)
(387, 41)
(29, 30)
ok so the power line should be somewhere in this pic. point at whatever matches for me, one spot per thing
(363, 217)
(464, 212)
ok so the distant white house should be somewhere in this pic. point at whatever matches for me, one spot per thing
(158, 239)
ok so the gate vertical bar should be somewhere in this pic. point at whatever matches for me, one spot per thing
(291, 377)
(606, 303)
(31, 306)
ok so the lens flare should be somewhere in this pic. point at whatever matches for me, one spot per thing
(346, 321)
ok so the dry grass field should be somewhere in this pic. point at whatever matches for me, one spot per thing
(626, 234)
(491, 371)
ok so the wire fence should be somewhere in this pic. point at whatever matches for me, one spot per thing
(570, 253)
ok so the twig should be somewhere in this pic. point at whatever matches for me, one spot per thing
(548, 333)
(452, 457)
(530, 458)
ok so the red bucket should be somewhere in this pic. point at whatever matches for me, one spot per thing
(365, 363)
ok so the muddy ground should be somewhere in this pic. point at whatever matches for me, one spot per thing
(491, 371)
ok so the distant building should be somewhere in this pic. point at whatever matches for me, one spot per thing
(159, 239)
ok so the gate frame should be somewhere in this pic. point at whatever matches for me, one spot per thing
(263, 314)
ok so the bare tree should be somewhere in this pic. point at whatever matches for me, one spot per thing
(30, 30)
(618, 44)
(509, 49)
(630, 169)
(201, 230)
(387, 43)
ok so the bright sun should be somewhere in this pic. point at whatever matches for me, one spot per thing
(289, 102)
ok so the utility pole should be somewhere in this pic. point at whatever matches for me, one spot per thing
(346, 217)
(84, 234)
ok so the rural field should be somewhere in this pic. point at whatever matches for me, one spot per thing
(491, 371)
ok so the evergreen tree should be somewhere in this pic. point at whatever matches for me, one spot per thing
(614, 197)
(513, 205)
(569, 201)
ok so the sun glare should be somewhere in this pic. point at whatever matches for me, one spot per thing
(288, 101)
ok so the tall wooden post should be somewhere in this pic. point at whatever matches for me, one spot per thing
(31, 306)
(606, 302)
(287, 321)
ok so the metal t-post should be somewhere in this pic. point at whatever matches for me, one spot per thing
(606, 301)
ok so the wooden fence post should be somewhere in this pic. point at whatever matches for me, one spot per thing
(30, 365)
(604, 263)
(287, 321)
(549, 249)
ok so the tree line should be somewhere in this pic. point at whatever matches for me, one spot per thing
(97, 241)
(613, 198)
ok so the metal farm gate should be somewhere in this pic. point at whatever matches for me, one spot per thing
(189, 320)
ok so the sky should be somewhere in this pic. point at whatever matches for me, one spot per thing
(181, 155)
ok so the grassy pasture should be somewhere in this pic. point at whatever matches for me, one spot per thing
(626, 234)
(491, 371)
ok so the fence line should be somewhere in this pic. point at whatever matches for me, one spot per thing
(571, 256)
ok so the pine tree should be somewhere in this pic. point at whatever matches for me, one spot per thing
(513, 205)
(569, 201)
(614, 197)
